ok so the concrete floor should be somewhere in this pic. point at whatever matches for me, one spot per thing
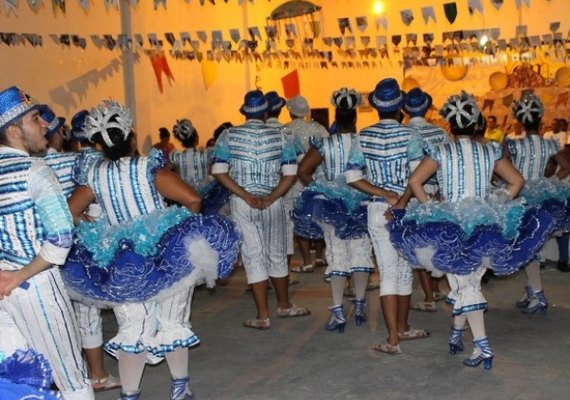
(298, 359)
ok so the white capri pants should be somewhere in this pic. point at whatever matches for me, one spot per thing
(395, 272)
(90, 325)
(345, 256)
(264, 243)
(465, 295)
(44, 316)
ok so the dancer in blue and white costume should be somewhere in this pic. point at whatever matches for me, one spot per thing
(140, 256)
(338, 209)
(258, 165)
(36, 235)
(193, 165)
(426, 135)
(378, 166)
(530, 156)
(470, 229)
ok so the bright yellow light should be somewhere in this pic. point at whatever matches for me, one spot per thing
(378, 7)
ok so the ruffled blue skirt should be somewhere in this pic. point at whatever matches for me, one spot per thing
(214, 197)
(149, 257)
(553, 196)
(331, 203)
(26, 375)
(461, 237)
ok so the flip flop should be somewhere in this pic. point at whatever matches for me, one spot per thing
(108, 383)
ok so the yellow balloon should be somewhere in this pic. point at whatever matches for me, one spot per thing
(563, 77)
(409, 83)
(454, 72)
(498, 80)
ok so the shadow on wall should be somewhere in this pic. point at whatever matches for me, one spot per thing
(68, 95)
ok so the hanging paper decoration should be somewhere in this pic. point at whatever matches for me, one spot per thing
(427, 13)
(554, 26)
(521, 30)
(365, 40)
(217, 38)
(234, 35)
(361, 23)
(169, 36)
(110, 3)
(315, 28)
(58, 4)
(337, 41)
(34, 4)
(84, 4)
(349, 42)
(407, 16)
(518, 3)
(450, 11)
(291, 86)
(508, 100)
(270, 31)
(157, 2)
(412, 37)
(381, 41)
(79, 41)
(153, 40)
(475, 5)
(344, 24)
(202, 36)
(160, 66)
(328, 41)
(185, 38)
(381, 20)
(254, 33)
(428, 38)
(291, 30)
(562, 99)
(497, 3)
(11, 6)
(396, 39)
(109, 41)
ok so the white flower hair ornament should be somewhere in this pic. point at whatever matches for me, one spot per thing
(528, 109)
(98, 121)
(183, 129)
(456, 112)
(346, 98)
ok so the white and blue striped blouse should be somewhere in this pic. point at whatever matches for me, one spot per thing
(192, 165)
(531, 154)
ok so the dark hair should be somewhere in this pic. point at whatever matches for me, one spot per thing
(492, 117)
(481, 125)
(469, 129)
(221, 128)
(3, 132)
(563, 122)
(274, 113)
(164, 133)
(121, 145)
(396, 114)
(189, 141)
(344, 119)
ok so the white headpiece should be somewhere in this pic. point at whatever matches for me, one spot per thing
(183, 128)
(528, 109)
(455, 112)
(346, 98)
(98, 121)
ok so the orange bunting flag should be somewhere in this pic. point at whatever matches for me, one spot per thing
(291, 87)
(160, 65)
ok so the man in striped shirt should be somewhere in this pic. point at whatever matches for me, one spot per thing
(257, 163)
(382, 152)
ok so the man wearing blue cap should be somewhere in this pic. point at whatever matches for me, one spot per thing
(36, 234)
(382, 151)
(257, 163)
(54, 134)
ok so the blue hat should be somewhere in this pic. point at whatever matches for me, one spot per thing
(275, 102)
(417, 103)
(254, 104)
(387, 96)
(78, 126)
(14, 103)
(54, 123)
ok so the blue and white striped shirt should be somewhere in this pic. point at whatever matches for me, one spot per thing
(381, 150)
(255, 155)
(34, 217)
(124, 188)
(531, 154)
(62, 164)
(192, 165)
(334, 150)
(465, 168)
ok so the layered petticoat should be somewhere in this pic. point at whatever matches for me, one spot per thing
(459, 238)
(553, 196)
(150, 257)
(334, 203)
(26, 375)
(214, 197)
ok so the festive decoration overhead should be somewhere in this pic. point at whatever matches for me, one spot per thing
(293, 9)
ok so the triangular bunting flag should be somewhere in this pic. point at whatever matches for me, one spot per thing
(450, 11)
(361, 23)
(497, 3)
(407, 16)
(291, 86)
(427, 13)
(58, 4)
(157, 2)
(381, 20)
(475, 5)
(11, 6)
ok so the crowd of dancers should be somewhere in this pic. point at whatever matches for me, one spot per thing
(100, 226)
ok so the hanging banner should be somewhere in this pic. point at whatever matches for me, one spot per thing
(427, 13)
(475, 5)
(381, 20)
(11, 6)
(488, 105)
(344, 24)
(497, 3)
(361, 23)
(519, 2)
(407, 16)
(291, 86)
(450, 10)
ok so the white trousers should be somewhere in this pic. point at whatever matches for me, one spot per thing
(264, 244)
(345, 256)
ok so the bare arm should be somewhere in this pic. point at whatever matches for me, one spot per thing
(227, 181)
(9, 280)
(422, 173)
(80, 199)
(564, 163)
(308, 165)
(171, 186)
(366, 187)
(506, 170)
